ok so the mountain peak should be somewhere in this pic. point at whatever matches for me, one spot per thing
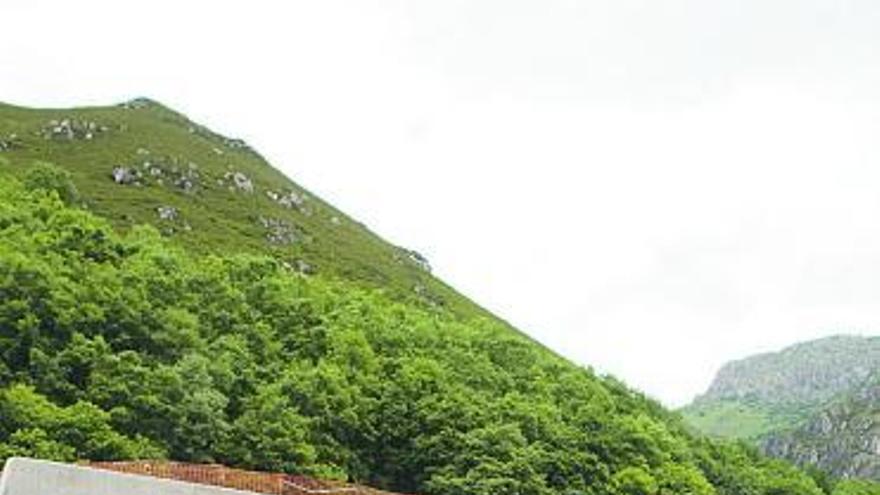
(141, 162)
(806, 372)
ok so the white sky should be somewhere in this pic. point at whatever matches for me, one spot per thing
(650, 187)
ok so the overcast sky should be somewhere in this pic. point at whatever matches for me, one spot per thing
(649, 187)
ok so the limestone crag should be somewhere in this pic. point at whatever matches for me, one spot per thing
(807, 373)
(843, 438)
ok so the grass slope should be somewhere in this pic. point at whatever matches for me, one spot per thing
(197, 177)
(738, 419)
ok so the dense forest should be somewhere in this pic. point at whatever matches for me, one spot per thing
(124, 345)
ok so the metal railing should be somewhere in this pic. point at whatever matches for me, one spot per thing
(239, 479)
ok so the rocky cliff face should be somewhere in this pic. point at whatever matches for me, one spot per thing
(806, 374)
(843, 438)
(756, 397)
(814, 403)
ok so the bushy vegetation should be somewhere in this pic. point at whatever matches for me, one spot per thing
(856, 487)
(125, 346)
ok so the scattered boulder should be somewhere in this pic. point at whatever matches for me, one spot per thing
(304, 267)
(69, 129)
(419, 260)
(186, 183)
(279, 231)
(299, 266)
(404, 256)
(170, 220)
(421, 290)
(226, 142)
(292, 199)
(240, 181)
(335, 220)
(10, 142)
(126, 176)
(168, 213)
(236, 144)
(186, 178)
(159, 170)
(136, 103)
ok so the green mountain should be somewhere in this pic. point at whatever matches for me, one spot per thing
(165, 293)
(142, 163)
(760, 395)
(815, 404)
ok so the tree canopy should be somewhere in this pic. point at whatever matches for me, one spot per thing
(123, 346)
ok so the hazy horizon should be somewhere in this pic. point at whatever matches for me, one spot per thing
(649, 188)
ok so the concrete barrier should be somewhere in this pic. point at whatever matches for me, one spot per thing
(23, 476)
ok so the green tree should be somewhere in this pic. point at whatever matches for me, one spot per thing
(43, 176)
(271, 435)
(635, 481)
(856, 487)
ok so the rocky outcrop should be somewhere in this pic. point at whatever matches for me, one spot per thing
(237, 181)
(412, 257)
(125, 175)
(299, 266)
(69, 129)
(227, 142)
(10, 142)
(419, 260)
(809, 373)
(279, 231)
(137, 103)
(289, 199)
(820, 401)
(149, 169)
(843, 438)
(169, 213)
(171, 221)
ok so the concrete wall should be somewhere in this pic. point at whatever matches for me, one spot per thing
(32, 477)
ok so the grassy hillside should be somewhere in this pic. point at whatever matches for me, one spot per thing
(210, 193)
(729, 419)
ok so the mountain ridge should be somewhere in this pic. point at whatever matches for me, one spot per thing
(342, 246)
(814, 403)
(774, 391)
(747, 378)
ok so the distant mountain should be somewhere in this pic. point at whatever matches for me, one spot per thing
(766, 393)
(815, 404)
